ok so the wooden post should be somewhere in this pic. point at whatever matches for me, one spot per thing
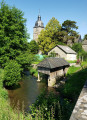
(82, 58)
(38, 77)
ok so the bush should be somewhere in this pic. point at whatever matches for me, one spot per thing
(12, 74)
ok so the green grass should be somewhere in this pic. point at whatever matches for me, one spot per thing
(70, 92)
(72, 70)
(71, 61)
(84, 63)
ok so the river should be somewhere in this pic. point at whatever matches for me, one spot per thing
(27, 93)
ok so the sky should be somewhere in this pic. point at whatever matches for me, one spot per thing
(62, 10)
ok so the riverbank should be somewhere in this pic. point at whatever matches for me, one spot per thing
(51, 105)
(8, 113)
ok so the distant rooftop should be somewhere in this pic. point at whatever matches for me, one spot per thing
(66, 49)
(84, 42)
(53, 62)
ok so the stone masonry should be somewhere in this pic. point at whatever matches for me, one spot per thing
(80, 110)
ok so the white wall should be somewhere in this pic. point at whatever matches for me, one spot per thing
(71, 57)
(62, 54)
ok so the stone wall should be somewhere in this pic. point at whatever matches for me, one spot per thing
(84, 47)
(80, 109)
(36, 32)
(59, 52)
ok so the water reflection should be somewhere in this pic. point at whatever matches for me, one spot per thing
(27, 93)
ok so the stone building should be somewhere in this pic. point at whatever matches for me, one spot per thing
(84, 45)
(37, 28)
(65, 52)
(53, 68)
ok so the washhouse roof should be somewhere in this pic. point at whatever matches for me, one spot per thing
(53, 62)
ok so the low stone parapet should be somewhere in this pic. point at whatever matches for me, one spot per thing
(80, 109)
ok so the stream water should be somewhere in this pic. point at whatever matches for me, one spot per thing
(27, 93)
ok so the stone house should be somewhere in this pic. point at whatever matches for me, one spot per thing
(65, 52)
(84, 45)
(52, 67)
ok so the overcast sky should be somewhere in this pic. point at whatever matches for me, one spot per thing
(60, 9)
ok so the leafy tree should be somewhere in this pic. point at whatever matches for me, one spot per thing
(13, 35)
(45, 39)
(33, 47)
(70, 27)
(85, 37)
(12, 73)
(77, 47)
(25, 60)
(60, 37)
(80, 52)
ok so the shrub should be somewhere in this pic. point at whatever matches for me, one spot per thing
(12, 74)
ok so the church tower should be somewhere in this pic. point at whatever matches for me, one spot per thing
(37, 28)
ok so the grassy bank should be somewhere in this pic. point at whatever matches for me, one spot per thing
(71, 90)
(47, 106)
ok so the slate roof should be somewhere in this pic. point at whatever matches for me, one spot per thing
(66, 49)
(84, 42)
(39, 23)
(53, 62)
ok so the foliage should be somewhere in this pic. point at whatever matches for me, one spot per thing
(70, 26)
(45, 39)
(71, 91)
(60, 37)
(33, 47)
(84, 64)
(54, 34)
(12, 74)
(48, 105)
(33, 72)
(25, 60)
(77, 47)
(80, 52)
(72, 70)
(85, 37)
(13, 35)
(52, 54)
(84, 55)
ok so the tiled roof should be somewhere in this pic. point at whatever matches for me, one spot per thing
(53, 62)
(66, 49)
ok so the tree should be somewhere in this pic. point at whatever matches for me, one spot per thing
(77, 47)
(70, 27)
(25, 60)
(13, 35)
(85, 37)
(12, 74)
(45, 39)
(33, 47)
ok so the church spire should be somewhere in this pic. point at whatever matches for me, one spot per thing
(39, 17)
